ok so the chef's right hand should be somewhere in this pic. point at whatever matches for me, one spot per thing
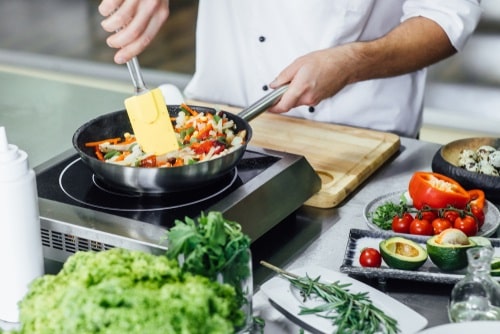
(133, 24)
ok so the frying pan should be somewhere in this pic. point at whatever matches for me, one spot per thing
(163, 180)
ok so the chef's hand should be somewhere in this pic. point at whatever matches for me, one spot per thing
(134, 23)
(314, 77)
(414, 44)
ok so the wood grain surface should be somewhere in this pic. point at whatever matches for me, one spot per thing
(342, 156)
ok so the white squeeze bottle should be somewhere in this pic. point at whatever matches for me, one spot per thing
(21, 254)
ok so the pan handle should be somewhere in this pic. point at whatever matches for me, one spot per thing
(263, 104)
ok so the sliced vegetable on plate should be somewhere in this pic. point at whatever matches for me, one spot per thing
(448, 250)
(402, 253)
(451, 244)
(431, 204)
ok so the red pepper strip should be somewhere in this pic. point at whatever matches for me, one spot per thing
(437, 191)
(477, 198)
(203, 147)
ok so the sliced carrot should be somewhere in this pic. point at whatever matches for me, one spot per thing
(187, 108)
(122, 156)
(97, 143)
(179, 162)
(98, 153)
(203, 133)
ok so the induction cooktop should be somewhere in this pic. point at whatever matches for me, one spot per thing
(81, 212)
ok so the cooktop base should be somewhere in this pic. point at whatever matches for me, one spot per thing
(270, 186)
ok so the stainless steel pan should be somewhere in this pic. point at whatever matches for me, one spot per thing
(163, 180)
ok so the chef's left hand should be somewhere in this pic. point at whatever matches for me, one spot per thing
(314, 77)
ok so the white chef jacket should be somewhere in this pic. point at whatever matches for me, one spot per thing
(242, 45)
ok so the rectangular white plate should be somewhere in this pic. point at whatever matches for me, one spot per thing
(286, 299)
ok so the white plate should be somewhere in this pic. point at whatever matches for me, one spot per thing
(491, 213)
(484, 327)
(287, 300)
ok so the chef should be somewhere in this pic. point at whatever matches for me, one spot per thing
(354, 62)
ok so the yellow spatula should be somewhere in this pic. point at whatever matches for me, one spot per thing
(149, 116)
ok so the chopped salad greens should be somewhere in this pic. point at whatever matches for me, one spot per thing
(123, 291)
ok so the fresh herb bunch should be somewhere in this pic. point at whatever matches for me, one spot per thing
(349, 312)
(382, 216)
(208, 245)
(214, 247)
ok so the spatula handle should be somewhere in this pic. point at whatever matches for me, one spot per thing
(136, 75)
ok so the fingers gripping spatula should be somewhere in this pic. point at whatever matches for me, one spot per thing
(149, 116)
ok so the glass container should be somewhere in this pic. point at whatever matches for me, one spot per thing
(477, 295)
(238, 273)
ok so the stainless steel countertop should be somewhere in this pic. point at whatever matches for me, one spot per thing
(41, 110)
(319, 237)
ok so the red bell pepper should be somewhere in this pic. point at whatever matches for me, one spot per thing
(477, 198)
(437, 191)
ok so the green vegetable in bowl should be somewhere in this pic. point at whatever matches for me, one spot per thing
(209, 245)
(123, 291)
(216, 248)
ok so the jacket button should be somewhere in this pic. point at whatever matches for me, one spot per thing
(262, 39)
(311, 109)
(265, 87)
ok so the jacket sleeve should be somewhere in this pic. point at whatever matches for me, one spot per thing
(458, 18)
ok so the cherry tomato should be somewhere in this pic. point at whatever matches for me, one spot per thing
(479, 214)
(402, 224)
(466, 224)
(440, 224)
(421, 226)
(428, 215)
(451, 215)
(370, 257)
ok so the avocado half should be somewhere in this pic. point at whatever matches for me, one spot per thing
(448, 256)
(402, 253)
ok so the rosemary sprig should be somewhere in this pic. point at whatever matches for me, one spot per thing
(349, 312)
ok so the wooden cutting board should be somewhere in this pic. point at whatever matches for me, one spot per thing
(342, 156)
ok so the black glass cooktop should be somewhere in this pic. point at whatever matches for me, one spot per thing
(70, 181)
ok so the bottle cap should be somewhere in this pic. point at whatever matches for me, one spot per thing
(13, 162)
(7, 152)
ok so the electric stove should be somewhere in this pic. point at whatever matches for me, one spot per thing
(79, 211)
